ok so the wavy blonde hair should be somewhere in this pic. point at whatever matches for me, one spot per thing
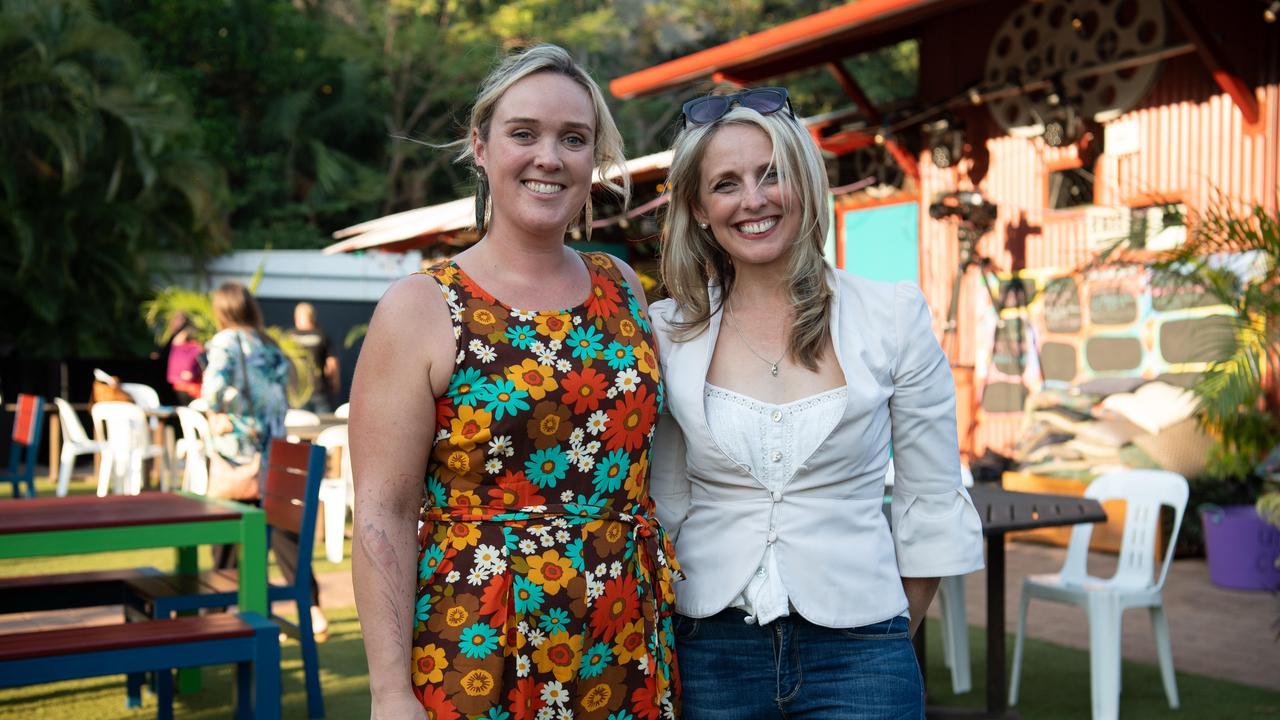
(692, 260)
(607, 144)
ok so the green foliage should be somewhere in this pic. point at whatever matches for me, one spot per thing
(102, 169)
(1234, 257)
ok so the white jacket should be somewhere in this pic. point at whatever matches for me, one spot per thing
(837, 559)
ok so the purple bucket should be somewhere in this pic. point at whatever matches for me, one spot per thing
(1241, 547)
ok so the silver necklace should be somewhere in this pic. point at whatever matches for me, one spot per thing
(773, 364)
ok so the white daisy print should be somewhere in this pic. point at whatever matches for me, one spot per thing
(586, 463)
(597, 422)
(577, 436)
(487, 557)
(615, 569)
(553, 693)
(501, 445)
(564, 713)
(547, 357)
(563, 366)
(477, 576)
(528, 547)
(566, 496)
(453, 576)
(524, 315)
(493, 466)
(547, 712)
(593, 447)
(537, 347)
(522, 666)
(611, 393)
(537, 637)
(627, 381)
(601, 569)
(547, 541)
(487, 355)
(595, 589)
(562, 536)
(475, 345)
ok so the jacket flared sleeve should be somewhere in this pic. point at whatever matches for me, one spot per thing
(936, 528)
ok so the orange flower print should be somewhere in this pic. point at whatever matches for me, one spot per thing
(437, 703)
(428, 664)
(555, 326)
(560, 655)
(526, 699)
(533, 378)
(470, 428)
(551, 571)
(630, 420)
(645, 702)
(515, 491)
(604, 298)
(550, 425)
(584, 390)
(619, 605)
(637, 475)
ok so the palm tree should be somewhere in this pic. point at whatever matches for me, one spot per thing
(101, 171)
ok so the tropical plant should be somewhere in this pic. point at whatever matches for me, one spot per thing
(101, 170)
(1234, 258)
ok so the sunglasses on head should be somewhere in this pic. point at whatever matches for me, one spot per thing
(709, 108)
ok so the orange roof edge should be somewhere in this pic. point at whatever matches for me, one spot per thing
(797, 32)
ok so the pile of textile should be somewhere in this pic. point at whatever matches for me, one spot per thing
(1111, 425)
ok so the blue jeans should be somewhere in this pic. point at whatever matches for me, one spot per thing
(792, 668)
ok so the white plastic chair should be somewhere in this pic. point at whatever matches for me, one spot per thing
(951, 606)
(337, 493)
(75, 442)
(294, 416)
(343, 411)
(194, 447)
(1135, 583)
(144, 395)
(128, 446)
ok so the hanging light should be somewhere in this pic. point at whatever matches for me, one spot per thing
(946, 141)
(1272, 12)
(1062, 127)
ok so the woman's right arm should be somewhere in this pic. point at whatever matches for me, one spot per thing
(405, 363)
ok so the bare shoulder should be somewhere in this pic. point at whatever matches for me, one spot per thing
(412, 324)
(633, 279)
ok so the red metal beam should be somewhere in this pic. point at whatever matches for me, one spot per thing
(1230, 82)
(846, 142)
(854, 91)
(805, 32)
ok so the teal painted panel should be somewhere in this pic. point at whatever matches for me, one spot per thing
(882, 243)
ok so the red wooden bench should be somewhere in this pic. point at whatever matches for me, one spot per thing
(248, 640)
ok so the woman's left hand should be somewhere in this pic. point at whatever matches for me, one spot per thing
(920, 593)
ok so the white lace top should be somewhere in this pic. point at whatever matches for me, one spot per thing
(771, 442)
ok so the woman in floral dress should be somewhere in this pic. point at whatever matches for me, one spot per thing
(520, 380)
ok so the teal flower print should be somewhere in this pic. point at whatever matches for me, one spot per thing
(478, 641)
(466, 386)
(585, 509)
(634, 306)
(496, 714)
(573, 551)
(622, 715)
(520, 336)
(556, 620)
(585, 342)
(545, 468)
(611, 471)
(435, 492)
(595, 660)
(528, 595)
(422, 611)
(619, 356)
(501, 398)
(431, 559)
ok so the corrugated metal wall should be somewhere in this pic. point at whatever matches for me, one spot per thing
(1193, 142)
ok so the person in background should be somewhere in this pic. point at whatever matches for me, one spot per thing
(186, 354)
(244, 385)
(787, 383)
(325, 374)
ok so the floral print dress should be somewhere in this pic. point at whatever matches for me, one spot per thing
(544, 579)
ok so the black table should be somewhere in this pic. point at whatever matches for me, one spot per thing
(1003, 511)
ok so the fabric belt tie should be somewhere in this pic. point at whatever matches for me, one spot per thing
(654, 567)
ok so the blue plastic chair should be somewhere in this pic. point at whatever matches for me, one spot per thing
(27, 425)
(290, 500)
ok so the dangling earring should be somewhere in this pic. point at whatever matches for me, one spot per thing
(482, 199)
(586, 219)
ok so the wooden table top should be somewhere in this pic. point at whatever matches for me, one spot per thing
(90, 512)
(1005, 510)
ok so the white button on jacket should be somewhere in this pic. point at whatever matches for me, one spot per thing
(835, 555)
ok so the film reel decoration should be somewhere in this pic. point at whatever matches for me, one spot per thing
(872, 161)
(1041, 41)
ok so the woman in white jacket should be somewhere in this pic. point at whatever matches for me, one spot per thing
(787, 382)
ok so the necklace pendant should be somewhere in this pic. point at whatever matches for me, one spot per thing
(774, 370)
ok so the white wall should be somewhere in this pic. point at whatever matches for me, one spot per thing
(307, 274)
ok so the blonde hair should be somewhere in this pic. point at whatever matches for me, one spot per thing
(607, 144)
(234, 307)
(692, 259)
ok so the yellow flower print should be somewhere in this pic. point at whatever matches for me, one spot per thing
(463, 535)
(636, 476)
(428, 664)
(533, 378)
(470, 427)
(597, 697)
(646, 360)
(551, 571)
(560, 655)
(629, 645)
(555, 325)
